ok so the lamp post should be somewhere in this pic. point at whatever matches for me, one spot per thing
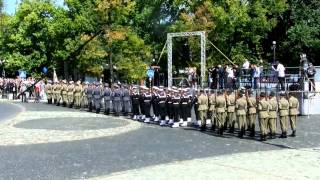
(274, 46)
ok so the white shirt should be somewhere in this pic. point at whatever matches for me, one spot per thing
(281, 70)
(246, 65)
(230, 73)
(257, 72)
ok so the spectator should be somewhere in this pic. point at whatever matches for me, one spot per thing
(237, 74)
(311, 72)
(281, 74)
(215, 77)
(256, 76)
(23, 91)
(37, 91)
(221, 76)
(245, 67)
(230, 77)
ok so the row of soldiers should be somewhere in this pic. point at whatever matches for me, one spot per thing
(89, 95)
(244, 109)
(174, 107)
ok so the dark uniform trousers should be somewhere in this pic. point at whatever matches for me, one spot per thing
(170, 109)
(135, 104)
(196, 106)
(185, 110)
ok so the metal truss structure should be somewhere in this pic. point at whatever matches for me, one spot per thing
(170, 36)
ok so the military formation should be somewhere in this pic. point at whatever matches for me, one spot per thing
(227, 111)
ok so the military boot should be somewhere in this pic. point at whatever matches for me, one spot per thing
(283, 135)
(203, 128)
(221, 132)
(225, 127)
(293, 133)
(252, 131)
(231, 130)
(213, 127)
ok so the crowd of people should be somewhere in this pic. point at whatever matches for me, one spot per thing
(229, 76)
(174, 107)
(24, 89)
(250, 75)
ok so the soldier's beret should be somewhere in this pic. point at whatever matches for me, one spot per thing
(263, 94)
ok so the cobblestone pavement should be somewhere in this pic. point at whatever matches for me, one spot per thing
(275, 164)
(49, 142)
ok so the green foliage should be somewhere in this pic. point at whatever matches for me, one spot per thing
(237, 27)
(303, 35)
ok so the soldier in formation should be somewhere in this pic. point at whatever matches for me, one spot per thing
(173, 107)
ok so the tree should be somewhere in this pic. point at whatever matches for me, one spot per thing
(30, 40)
(303, 31)
(239, 28)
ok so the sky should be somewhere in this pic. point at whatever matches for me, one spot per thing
(10, 5)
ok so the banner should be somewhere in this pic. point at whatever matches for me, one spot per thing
(55, 78)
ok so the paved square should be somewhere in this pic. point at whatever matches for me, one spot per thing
(49, 142)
